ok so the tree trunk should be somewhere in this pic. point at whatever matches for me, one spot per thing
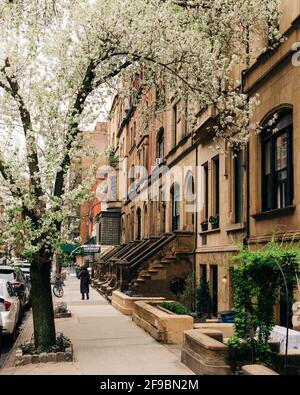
(42, 305)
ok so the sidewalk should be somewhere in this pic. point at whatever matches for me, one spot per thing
(105, 342)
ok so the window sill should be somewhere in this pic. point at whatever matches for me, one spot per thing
(279, 212)
(207, 232)
(235, 228)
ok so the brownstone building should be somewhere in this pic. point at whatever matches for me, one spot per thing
(194, 217)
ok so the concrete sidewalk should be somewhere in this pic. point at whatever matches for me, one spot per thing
(105, 342)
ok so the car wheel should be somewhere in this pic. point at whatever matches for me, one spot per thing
(0, 340)
(21, 314)
(29, 304)
(12, 336)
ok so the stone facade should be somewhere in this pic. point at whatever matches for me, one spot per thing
(222, 204)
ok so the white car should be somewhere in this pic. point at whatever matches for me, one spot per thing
(1, 308)
(10, 309)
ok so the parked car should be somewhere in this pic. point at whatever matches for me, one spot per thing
(15, 276)
(10, 309)
(26, 272)
(1, 325)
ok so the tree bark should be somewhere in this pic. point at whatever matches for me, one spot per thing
(42, 305)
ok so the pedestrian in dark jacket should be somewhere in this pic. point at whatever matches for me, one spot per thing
(84, 277)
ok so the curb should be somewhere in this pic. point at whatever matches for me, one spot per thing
(9, 361)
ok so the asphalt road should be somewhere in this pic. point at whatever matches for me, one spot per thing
(6, 344)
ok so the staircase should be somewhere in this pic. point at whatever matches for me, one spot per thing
(149, 266)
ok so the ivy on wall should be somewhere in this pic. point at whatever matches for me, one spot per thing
(257, 285)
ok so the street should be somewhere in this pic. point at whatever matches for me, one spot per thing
(104, 340)
(7, 345)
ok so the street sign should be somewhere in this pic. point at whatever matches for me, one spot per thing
(91, 249)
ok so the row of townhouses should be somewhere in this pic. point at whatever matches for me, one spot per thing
(194, 207)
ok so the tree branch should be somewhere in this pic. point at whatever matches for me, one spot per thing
(16, 192)
(88, 85)
(32, 157)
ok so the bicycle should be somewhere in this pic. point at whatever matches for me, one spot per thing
(57, 287)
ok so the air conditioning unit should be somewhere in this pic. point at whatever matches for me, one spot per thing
(158, 161)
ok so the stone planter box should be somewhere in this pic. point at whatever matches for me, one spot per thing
(165, 327)
(26, 359)
(226, 329)
(125, 303)
(67, 314)
(257, 370)
(204, 354)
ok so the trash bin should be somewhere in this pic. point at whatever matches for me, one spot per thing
(226, 317)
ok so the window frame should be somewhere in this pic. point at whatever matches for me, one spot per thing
(175, 193)
(160, 142)
(238, 162)
(206, 191)
(216, 185)
(269, 198)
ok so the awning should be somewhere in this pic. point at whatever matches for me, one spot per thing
(89, 249)
(68, 248)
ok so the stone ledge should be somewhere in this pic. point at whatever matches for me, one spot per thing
(257, 370)
(125, 303)
(166, 327)
(225, 328)
(205, 355)
(26, 359)
(214, 333)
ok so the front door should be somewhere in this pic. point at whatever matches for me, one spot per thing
(214, 288)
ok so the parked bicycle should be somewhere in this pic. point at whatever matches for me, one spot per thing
(57, 287)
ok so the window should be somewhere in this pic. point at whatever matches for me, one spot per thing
(277, 164)
(175, 194)
(132, 224)
(238, 186)
(190, 199)
(139, 224)
(176, 120)
(205, 175)
(160, 144)
(216, 186)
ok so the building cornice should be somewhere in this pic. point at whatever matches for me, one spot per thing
(268, 55)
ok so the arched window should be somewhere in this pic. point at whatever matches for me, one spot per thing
(189, 188)
(160, 144)
(175, 197)
(277, 161)
(190, 199)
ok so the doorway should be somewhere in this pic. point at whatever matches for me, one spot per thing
(139, 224)
(214, 288)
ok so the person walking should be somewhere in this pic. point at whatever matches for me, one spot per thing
(84, 277)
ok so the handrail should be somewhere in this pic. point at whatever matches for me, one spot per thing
(125, 250)
(157, 246)
(144, 243)
(111, 252)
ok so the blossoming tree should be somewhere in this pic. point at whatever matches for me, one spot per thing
(60, 59)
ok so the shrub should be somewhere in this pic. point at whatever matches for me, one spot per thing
(62, 342)
(203, 300)
(176, 308)
(60, 308)
(257, 285)
(186, 296)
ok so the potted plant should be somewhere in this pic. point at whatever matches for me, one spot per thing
(214, 221)
(204, 225)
